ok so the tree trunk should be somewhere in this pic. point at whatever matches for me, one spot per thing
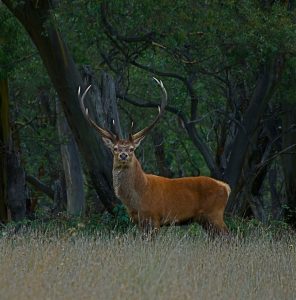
(36, 17)
(4, 137)
(59, 193)
(13, 184)
(16, 187)
(289, 160)
(159, 152)
(72, 166)
(265, 87)
(102, 99)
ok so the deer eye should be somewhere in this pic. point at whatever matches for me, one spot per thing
(131, 149)
(115, 148)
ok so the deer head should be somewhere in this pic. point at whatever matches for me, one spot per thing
(123, 149)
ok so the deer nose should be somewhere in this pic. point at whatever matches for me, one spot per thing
(123, 156)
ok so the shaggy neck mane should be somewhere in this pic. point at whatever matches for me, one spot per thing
(128, 182)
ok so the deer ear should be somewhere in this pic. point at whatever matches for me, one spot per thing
(109, 143)
(138, 141)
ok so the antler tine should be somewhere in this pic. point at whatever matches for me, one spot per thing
(103, 132)
(161, 110)
(81, 101)
(130, 134)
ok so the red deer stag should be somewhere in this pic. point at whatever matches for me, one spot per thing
(152, 201)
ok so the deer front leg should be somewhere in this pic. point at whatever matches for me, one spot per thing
(149, 227)
(134, 217)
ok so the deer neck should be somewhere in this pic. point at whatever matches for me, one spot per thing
(129, 183)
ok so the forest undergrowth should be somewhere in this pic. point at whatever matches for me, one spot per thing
(102, 258)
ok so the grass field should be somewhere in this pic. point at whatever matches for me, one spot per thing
(71, 264)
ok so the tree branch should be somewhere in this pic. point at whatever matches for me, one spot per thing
(115, 37)
(149, 104)
(190, 128)
(40, 186)
(129, 39)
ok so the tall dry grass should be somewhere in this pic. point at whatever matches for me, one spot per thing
(35, 265)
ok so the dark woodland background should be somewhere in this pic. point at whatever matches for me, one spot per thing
(228, 67)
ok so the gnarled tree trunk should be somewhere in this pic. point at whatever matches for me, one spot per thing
(267, 82)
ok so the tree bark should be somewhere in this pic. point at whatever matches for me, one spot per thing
(16, 187)
(289, 160)
(36, 18)
(265, 87)
(12, 183)
(71, 165)
(159, 152)
(59, 193)
(4, 137)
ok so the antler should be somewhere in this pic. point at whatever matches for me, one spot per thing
(143, 132)
(103, 132)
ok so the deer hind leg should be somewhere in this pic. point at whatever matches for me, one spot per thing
(134, 217)
(215, 224)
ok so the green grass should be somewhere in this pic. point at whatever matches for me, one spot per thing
(106, 258)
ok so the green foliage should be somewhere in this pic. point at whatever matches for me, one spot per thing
(107, 225)
(239, 34)
(220, 46)
(14, 43)
(121, 216)
(247, 228)
(64, 225)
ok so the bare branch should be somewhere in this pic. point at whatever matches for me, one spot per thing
(129, 39)
(40, 186)
(149, 104)
(191, 130)
(187, 83)
(268, 160)
(159, 73)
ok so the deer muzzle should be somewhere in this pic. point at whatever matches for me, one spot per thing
(123, 156)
